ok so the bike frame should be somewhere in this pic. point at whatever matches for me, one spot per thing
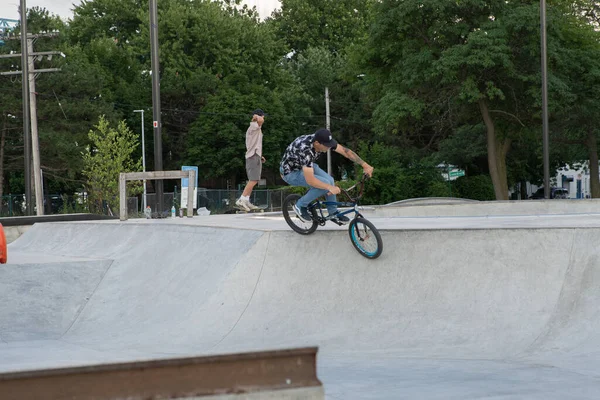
(317, 205)
(360, 229)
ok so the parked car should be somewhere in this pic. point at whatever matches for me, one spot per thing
(555, 193)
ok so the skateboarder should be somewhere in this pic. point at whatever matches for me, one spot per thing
(254, 159)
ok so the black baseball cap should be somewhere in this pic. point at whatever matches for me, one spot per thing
(324, 137)
(258, 111)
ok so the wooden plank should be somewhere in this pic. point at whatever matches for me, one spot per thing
(130, 176)
(122, 197)
(190, 197)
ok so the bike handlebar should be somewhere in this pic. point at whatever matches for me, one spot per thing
(365, 177)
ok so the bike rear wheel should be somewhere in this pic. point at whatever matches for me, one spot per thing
(365, 238)
(303, 228)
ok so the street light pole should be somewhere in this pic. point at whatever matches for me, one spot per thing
(156, 119)
(328, 126)
(545, 101)
(143, 156)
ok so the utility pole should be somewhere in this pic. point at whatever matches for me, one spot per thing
(30, 72)
(156, 123)
(25, 90)
(327, 125)
(35, 143)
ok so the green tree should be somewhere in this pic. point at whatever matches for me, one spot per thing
(399, 175)
(117, 19)
(576, 66)
(68, 103)
(438, 65)
(218, 71)
(320, 36)
(217, 64)
(332, 24)
(11, 123)
(11, 106)
(110, 153)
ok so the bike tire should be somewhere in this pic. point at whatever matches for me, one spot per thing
(361, 229)
(303, 228)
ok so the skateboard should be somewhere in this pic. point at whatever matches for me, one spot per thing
(260, 209)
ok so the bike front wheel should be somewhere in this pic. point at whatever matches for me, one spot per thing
(365, 238)
(303, 228)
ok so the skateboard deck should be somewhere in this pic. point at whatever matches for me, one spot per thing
(260, 209)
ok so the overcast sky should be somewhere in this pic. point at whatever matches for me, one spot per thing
(10, 8)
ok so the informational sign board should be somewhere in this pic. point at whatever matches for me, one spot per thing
(184, 187)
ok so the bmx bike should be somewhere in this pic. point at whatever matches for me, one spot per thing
(363, 234)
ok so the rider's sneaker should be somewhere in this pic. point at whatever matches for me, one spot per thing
(341, 219)
(252, 206)
(302, 213)
(243, 204)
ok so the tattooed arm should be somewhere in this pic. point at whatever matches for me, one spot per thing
(352, 156)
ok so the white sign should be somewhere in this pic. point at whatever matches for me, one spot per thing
(184, 188)
(184, 196)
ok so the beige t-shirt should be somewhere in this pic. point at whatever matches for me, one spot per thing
(253, 140)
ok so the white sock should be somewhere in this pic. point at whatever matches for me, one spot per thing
(247, 198)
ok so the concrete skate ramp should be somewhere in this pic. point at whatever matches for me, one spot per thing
(42, 300)
(503, 313)
(470, 208)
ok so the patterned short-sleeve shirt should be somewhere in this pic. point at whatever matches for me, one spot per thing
(300, 153)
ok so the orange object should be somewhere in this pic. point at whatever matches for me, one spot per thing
(3, 251)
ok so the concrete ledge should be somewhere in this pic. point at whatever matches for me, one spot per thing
(259, 375)
(14, 227)
(416, 208)
(30, 220)
(419, 201)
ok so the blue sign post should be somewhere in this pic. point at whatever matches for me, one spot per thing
(184, 187)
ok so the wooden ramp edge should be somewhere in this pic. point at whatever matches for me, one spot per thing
(241, 374)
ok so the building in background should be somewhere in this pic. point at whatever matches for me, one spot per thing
(570, 182)
(576, 179)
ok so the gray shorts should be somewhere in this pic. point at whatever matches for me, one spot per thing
(254, 167)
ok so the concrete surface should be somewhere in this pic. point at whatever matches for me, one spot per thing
(310, 393)
(12, 233)
(429, 207)
(455, 308)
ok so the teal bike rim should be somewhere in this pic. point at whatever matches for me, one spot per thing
(358, 243)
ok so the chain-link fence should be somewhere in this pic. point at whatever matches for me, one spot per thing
(223, 201)
(217, 201)
(14, 205)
